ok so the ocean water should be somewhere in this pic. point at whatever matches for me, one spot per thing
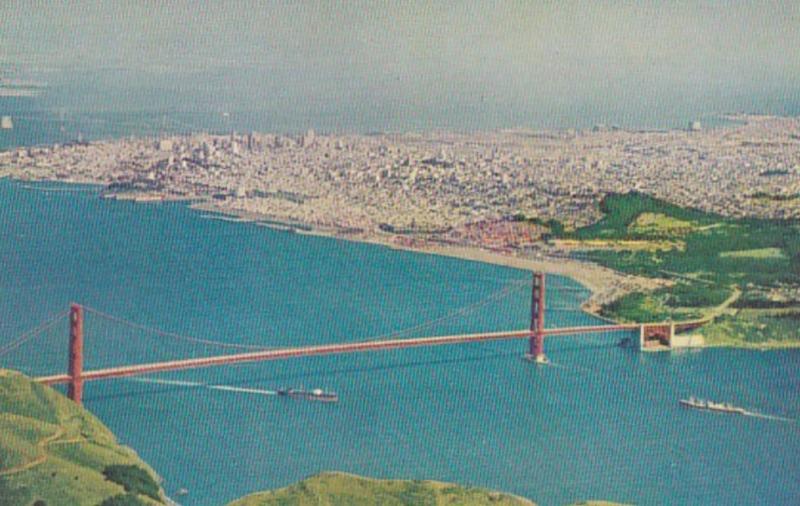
(602, 423)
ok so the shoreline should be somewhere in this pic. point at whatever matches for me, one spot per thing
(768, 346)
(604, 284)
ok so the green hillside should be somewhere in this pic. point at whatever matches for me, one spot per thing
(346, 489)
(54, 452)
(744, 273)
(709, 248)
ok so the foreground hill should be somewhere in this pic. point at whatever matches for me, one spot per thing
(340, 489)
(53, 452)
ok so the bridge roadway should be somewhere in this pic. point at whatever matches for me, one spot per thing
(323, 349)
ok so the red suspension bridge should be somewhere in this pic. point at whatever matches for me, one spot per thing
(76, 375)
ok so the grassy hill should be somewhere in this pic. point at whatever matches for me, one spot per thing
(342, 489)
(744, 272)
(710, 247)
(54, 452)
(346, 489)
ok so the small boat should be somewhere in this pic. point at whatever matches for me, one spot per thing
(309, 395)
(720, 407)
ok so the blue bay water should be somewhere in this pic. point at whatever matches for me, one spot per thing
(603, 423)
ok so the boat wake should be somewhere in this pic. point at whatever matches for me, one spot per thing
(573, 367)
(724, 407)
(194, 384)
(242, 390)
(770, 417)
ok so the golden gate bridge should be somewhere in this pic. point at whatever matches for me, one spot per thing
(76, 374)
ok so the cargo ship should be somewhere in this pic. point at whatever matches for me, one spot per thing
(309, 395)
(720, 407)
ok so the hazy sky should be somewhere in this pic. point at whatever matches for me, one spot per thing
(401, 57)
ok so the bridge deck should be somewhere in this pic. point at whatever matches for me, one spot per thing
(324, 349)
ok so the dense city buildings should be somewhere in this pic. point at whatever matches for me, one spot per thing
(457, 188)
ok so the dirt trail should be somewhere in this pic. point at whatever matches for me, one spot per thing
(41, 445)
(718, 310)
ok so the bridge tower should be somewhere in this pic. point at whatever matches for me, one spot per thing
(75, 367)
(536, 351)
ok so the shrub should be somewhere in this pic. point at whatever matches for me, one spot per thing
(134, 479)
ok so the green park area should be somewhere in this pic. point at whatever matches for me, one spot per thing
(741, 274)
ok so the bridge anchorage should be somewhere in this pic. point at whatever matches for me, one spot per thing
(657, 334)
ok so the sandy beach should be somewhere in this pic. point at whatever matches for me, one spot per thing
(606, 285)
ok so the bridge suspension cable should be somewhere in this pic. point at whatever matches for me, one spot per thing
(510, 288)
(561, 287)
(494, 297)
(30, 334)
(173, 335)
